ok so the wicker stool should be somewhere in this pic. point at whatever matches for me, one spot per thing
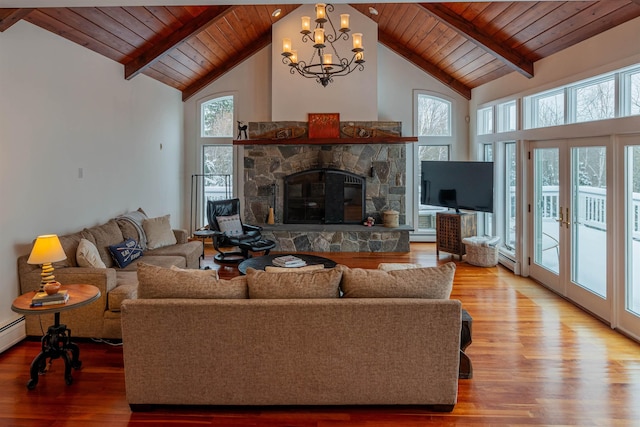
(481, 251)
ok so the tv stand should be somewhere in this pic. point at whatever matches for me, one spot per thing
(451, 228)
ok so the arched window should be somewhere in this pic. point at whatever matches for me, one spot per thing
(433, 116)
(433, 125)
(217, 118)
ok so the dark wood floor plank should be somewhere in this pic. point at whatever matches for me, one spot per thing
(537, 360)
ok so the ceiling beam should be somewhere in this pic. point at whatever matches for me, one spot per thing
(227, 66)
(511, 57)
(160, 48)
(12, 16)
(402, 50)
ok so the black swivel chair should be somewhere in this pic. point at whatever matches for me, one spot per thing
(248, 240)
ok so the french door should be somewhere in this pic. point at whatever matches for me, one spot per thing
(628, 232)
(569, 243)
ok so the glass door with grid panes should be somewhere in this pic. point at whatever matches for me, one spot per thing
(568, 220)
(628, 302)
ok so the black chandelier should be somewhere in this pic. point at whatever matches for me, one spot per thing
(326, 66)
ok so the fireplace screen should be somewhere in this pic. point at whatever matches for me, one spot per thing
(324, 196)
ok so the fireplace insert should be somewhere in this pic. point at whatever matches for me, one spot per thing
(324, 196)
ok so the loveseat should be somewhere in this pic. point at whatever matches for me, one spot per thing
(90, 260)
(327, 337)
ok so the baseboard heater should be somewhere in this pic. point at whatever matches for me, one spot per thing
(12, 333)
(509, 262)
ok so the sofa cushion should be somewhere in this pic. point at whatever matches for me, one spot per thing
(165, 261)
(104, 236)
(428, 282)
(312, 267)
(70, 244)
(391, 266)
(212, 272)
(190, 251)
(294, 284)
(158, 231)
(124, 253)
(87, 255)
(158, 282)
(126, 288)
(230, 225)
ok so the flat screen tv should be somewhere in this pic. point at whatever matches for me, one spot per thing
(458, 185)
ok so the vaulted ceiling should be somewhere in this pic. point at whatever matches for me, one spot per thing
(462, 44)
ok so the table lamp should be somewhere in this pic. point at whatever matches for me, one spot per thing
(46, 250)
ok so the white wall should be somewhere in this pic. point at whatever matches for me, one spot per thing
(62, 108)
(397, 80)
(354, 97)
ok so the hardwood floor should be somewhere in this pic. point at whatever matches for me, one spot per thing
(537, 360)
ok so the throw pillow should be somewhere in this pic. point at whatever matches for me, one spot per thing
(428, 282)
(313, 267)
(159, 232)
(323, 283)
(230, 225)
(87, 255)
(390, 266)
(124, 253)
(160, 282)
(104, 236)
(204, 273)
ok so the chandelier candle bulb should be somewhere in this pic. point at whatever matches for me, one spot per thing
(359, 57)
(306, 25)
(326, 60)
(318, 37)
(294, 56)
(357, 41)
(344, 22)
(320, 12)
(286, 45)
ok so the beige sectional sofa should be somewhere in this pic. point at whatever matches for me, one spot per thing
(392, 338)
(101, 319)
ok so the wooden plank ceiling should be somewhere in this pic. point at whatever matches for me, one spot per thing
(462, 44)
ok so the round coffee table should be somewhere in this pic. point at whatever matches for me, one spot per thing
(260, 262)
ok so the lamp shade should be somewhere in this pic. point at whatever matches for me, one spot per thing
(47, 249)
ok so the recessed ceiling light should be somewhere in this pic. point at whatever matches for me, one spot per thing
(276, 13)
(373, 10)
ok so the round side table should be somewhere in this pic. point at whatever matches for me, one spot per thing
(56, 342)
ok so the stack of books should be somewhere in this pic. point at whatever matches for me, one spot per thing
(288, 261)
(42, 298)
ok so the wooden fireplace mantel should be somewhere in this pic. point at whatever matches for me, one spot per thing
(328, 141)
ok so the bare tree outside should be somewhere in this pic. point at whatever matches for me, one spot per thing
(217, 117)
(634, 96)
(433, 152)
(548, 110)
(434, 116)
(596, 101)
(217, 162)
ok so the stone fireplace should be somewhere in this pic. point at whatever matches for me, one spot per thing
(382, 166)
(363, 173)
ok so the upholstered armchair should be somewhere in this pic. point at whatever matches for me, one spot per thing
(224, 218)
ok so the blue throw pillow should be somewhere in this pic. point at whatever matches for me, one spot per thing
(125, 253)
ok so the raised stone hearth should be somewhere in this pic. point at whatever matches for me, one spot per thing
(337, 238)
